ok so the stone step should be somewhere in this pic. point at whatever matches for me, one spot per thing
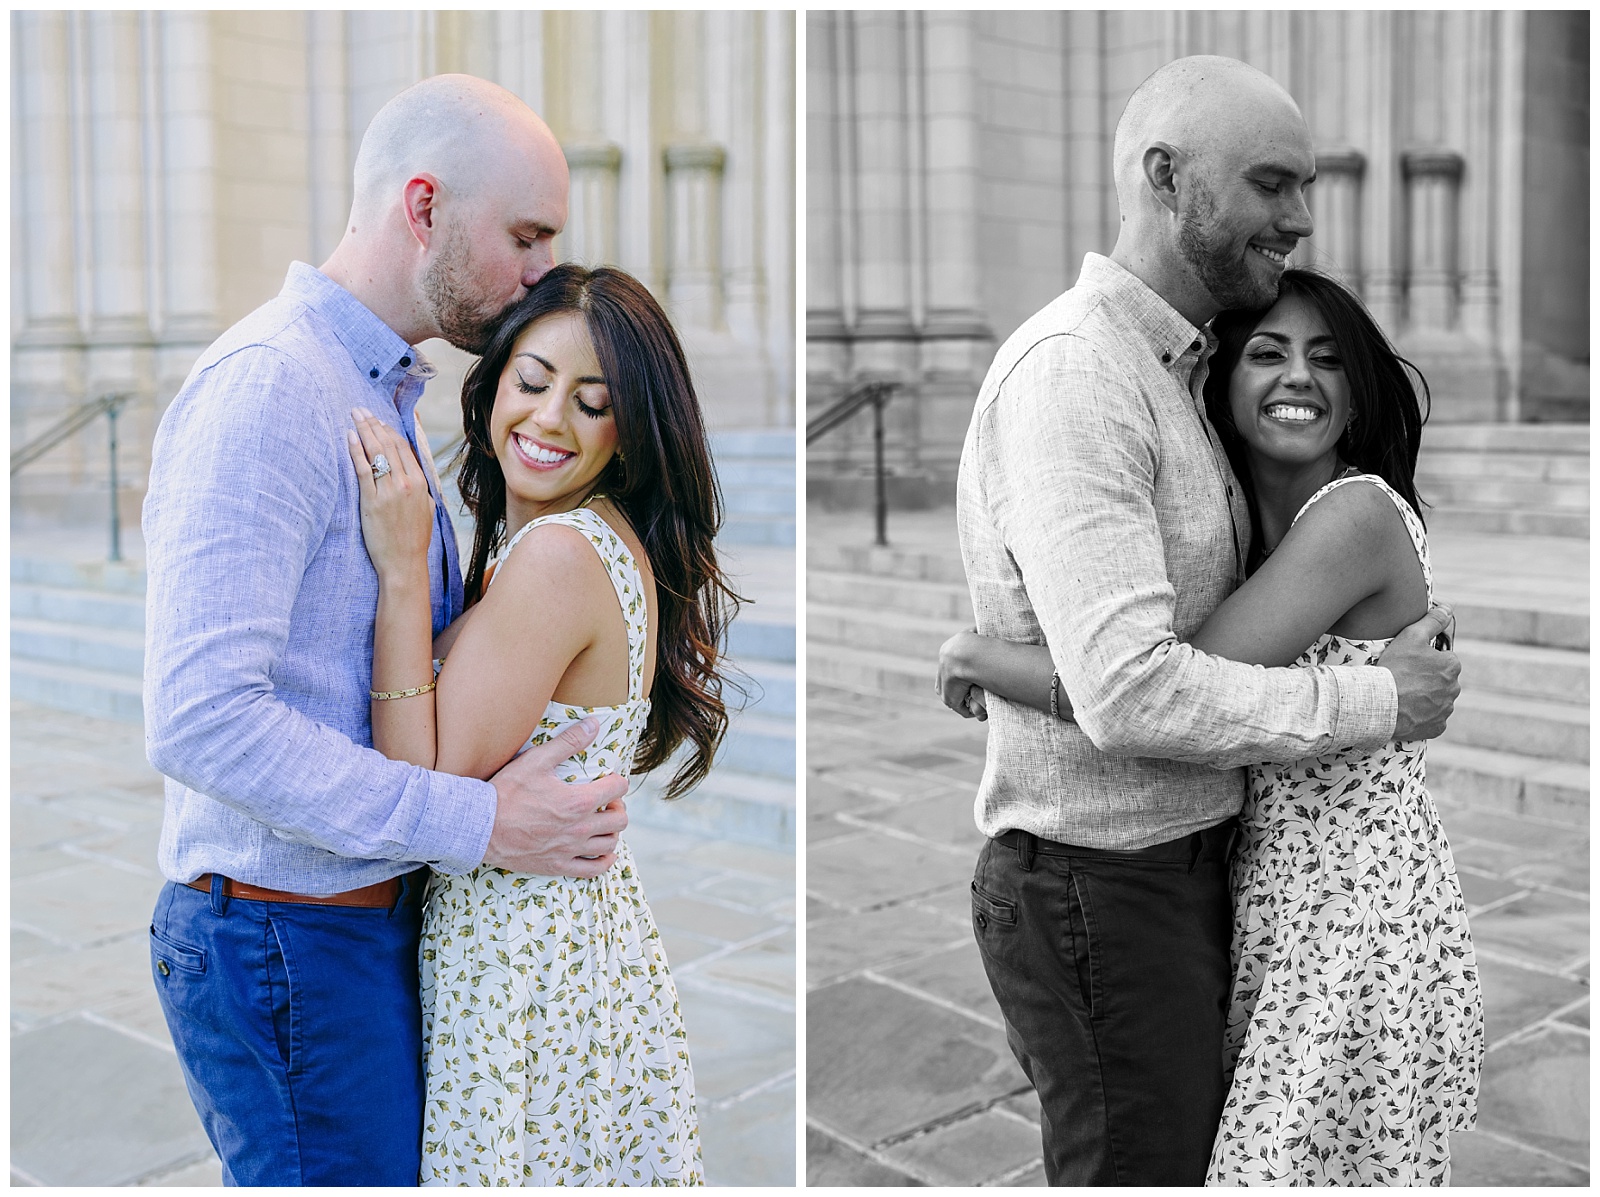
(882, 630)
(1477, 517)
(774, 531)
(948, 601)
(1447, 493)
(1570, 440)
(108, 650)
(777, 472)
(1485, 613)
(914, 564)
(123, 577)
(758, 744)
(753, 442)
(72, 688)
(728, 804)
(752, 638)
(758, 500)
(1528, 467)
(770, 686)
(112, 610)
(1508, 782)
(1527, 726)
(1553, 674)
(845, 667)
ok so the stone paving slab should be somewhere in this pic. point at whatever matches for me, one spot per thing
(907, 1071)
(93, 1106)
(97, 1097)
(883, 1065)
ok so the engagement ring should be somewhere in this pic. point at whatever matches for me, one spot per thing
(380, 466)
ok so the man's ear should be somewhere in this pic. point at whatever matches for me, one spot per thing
(1161, 174)
(420, 202)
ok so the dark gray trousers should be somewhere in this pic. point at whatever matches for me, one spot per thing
(1112, 972)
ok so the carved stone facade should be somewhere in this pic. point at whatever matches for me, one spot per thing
(958, 169)
(168, 166)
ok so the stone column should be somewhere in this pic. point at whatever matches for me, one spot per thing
(188, 197)
(694, 220)
(776, 198)
(594, 160)
(952, 165)
(43, 240)
(591, 233)
(118, 313)
(1381, 197)
(1433, 180)
(1478, 99)
(827, 130)
(332, 145)
(519, 55)
(1337, 212)
(883, 214)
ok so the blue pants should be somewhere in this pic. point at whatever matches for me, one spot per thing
(300, 1033)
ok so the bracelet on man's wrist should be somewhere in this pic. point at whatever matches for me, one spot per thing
(1055, 696)
(385, 695)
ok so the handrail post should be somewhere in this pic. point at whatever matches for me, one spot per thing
(878, 397)
(116, 514)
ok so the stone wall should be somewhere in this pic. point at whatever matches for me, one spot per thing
(168, 166)
(959, 169)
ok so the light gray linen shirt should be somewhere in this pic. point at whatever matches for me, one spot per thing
(1098, 515)
(260, 607)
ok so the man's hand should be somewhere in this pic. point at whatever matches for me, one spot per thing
(1425, 676)
(959, 693)
(550, 827)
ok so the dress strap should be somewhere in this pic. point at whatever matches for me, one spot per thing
(1419, 536)
(621, 568)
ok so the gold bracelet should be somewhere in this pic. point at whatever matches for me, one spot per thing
(385, 695)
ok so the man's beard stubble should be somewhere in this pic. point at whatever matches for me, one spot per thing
(1228, 279)
(463, 319)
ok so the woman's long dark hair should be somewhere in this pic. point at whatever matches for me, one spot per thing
(1387, 433)
(660, 478)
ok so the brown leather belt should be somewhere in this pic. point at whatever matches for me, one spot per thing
(380, 894)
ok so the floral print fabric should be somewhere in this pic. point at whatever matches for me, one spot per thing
(552, 1038)
(1355, 1031)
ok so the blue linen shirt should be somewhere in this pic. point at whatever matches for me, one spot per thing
(260, 608)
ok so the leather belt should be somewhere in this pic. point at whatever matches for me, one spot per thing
(379, 894)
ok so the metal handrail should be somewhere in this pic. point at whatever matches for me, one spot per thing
(877, 393)
(78, 418)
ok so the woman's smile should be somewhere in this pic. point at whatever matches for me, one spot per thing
(1289, 395)
(552, 424)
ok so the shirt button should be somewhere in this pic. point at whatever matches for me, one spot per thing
(373, 373)
(1195, 347)
(405, 361)
(1166, 359)
(161, 967)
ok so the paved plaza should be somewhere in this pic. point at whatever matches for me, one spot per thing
(96, 1093)
(909, 1079)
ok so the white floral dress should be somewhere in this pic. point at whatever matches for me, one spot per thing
(552, 1040)
(1355, 1033)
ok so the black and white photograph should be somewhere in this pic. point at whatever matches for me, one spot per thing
(402, 598)
(1197, 637)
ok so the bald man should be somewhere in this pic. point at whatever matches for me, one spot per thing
(284, 945)
(1098, 515)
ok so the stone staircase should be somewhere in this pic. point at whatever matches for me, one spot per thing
(1526, 479)
(77, 640)
(1510, 549)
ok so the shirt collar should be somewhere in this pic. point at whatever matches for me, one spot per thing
(1173, 339)
(377, 350)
